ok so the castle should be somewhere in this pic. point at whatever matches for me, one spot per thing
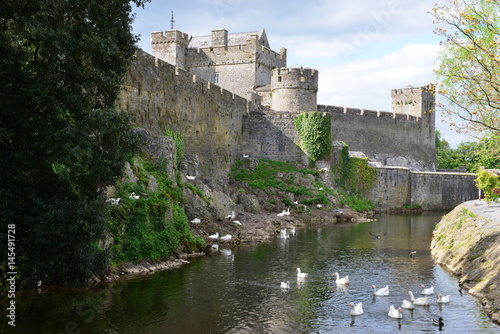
(244, 64)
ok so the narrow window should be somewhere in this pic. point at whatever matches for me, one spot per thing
(216, 77)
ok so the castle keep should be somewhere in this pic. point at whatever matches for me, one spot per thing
(230, 95)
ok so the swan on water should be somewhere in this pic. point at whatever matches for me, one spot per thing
(285, 285)
(356, 309)
(393, 313)
(407, 305)
(443, 299)
(428, 291)
(423, 301)
(196, 221)
(381, 292)
(341, 281)
(301, 274)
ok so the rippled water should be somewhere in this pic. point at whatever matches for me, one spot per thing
(238, 289)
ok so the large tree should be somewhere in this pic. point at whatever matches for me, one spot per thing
(469, 71)
(61, 139)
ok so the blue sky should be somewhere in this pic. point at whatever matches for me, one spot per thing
(361, 48)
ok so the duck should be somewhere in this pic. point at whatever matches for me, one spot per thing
(422, 301)
(237, 222)
(281, 214)
(301, 274)
(439, 322)
(356, 309)
(226, 238)
(407, 305)
(113, 201)
(214, 236)
(231, 216)
(190, 177)
(393, 313)
(196, 221)
(292, 230)
(245, 156)
(285, 285)
(443, 299)
(428, 291)
(319, 206)
(381, 292)
(287, 212)
(341, 281)
(134, 196)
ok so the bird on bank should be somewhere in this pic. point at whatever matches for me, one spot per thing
(134, 196)
(231, 216)
(413, 253)
(113, 201)
(196, 221)
(226, 238)
(190, 177)
(237, 222)
(214, 236)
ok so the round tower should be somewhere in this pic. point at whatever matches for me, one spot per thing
(170, 46)
(294, 89)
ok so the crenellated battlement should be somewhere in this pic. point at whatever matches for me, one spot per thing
(295, 77)
(366, 113)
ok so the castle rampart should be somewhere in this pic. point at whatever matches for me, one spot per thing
(294, 89)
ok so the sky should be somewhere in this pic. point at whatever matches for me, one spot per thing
(361, 48)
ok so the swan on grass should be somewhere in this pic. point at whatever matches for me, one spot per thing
(407, 305)
(428, 291)
(381, 292)
(422, 301)
(301, 274)
(341, 281)
(395, 313)
(443, 299)
(356, 309)
(285, 285)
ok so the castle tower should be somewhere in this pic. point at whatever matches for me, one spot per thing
(414, 101)
(294, 89)
(170, 46)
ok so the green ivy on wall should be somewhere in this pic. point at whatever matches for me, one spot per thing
(354, 174)
(314, 129)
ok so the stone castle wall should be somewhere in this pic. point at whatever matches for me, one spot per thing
(392, 139)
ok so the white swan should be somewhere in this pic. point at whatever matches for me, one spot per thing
(113, 201)
(301, 274)
(356, 309)
(281, 214)
(237, 222)
(292, 230)
(428, 291)
(231, 216)
(407, 305)
(422, 301)
(214, 236)
(134, 196)
(393, 313)
(196, 221)
(443, 299)
(245, 155)
(287, 212)
(341, 281)
(189, 177)
(226, 238)
(381, 292)
(285, 285)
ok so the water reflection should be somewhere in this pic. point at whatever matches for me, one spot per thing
(237, 290)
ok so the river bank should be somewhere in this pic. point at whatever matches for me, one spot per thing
(467, 242)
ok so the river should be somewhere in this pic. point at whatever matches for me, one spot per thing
(237, 290)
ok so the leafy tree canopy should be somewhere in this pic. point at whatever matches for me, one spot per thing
(61, 140)
(469, 71)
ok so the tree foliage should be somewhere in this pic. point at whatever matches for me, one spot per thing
(61, 140)
(489, 183)
(313, 129)
(469, 71)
